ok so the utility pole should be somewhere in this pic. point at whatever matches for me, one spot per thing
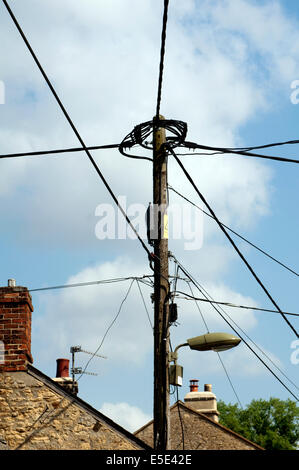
(161, 291)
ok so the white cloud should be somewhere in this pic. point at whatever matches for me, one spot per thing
(105, 77)
(267, 29)
(128, 416)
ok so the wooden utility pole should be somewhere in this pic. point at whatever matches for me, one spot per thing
(161, 292)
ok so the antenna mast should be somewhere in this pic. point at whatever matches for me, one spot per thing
(78, 370)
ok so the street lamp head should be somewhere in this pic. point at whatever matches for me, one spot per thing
(213, 342)
(208, 342)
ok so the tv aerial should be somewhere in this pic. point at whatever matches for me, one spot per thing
(78, 370)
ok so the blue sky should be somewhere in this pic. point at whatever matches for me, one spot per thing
(228, 73)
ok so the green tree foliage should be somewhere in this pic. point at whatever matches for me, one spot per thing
(273, 424)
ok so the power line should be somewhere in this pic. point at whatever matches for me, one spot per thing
(198, 308)
(56, 151)
(180, 418)
(223, 150)
(229, 304)
(162, 54)
(175, 277)
(229, 379)
(198, 153)
(212, 303)
(108, 329)
(258, 147)
(92, 283)
(233, 243)
(73, 126)
(176, 389)
(207, 329)
(209, 299)
(118, 146)
(197, 285)
(235, 233)
(218, 354)
(147, 313)
(274, 144)
(279, 159)
(263, 352)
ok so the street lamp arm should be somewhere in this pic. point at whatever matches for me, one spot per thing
(180, 346)
(173, 356)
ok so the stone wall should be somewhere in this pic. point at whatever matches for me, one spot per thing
(199, 433)
(36, 416)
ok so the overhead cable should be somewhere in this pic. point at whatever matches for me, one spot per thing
(235, 233)
(233, 243)
(223, 316)
(57, 151)
(229, 379)
(203, 290)
(218, 354)
(92, 283)
(210, 300)
(108, 329)
(192, 145)
(229, 304)
(162, 54)
(198, 308)
(73, 126)
(143, 301)
(274, 144)
(204, 322)
(180, 417)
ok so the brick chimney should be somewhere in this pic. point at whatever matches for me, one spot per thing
(15, 327)
(204, 402)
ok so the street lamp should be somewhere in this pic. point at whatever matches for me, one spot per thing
(208, 342)
(213, 342)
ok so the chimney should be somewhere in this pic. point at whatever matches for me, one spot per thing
(193, 385)
(208, 387)
(15, 327)
(204, 402)
(62, 369)
(63, 377)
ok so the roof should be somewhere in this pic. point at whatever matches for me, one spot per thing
(88, 408)
(224, 428)
(202, 416)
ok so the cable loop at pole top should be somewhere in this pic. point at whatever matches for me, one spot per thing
(142, 134)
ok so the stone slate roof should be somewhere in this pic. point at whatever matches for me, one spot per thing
(3, 444)
(88, 408)
(199, 432)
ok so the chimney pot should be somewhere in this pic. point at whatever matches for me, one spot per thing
(193, 385)
(204, 402)
(62, 368)
(62, 376)
(11, 283)
(208, 387)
